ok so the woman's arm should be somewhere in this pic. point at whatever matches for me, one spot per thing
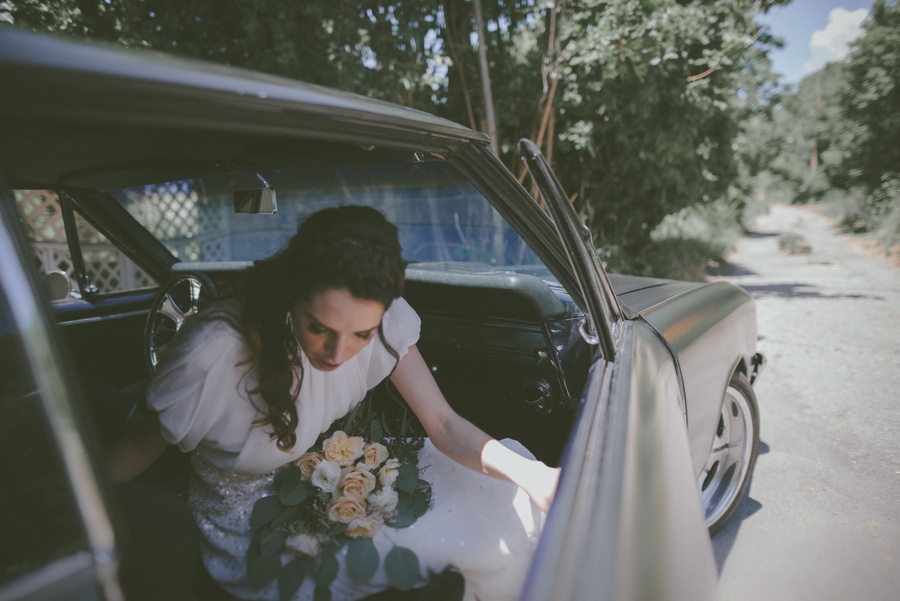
(137, 449)
(462, 441)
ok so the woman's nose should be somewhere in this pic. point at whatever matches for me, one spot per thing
(336, 351)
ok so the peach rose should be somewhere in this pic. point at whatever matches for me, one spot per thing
(389, 472)
(345, 509)
(365, 527)
(357, 481)
(374, 455)
(343, 449)
(307, 462)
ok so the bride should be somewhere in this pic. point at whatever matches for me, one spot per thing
(250, 385)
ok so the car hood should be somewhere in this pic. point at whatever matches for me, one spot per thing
(641, 294)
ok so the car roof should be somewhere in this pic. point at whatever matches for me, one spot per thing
(93, 115)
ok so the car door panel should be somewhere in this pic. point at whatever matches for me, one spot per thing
(626, 522)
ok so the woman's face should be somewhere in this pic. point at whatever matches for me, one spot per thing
(333, 325)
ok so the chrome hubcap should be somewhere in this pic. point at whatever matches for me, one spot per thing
(729, 458)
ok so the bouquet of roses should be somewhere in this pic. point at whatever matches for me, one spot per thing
(357, 479)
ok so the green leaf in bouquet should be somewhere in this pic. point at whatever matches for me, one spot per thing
(265, 510)
(271, 542)
(404, 501)
(362, 559)
(262, 569)
(402, 567)
(291, 577)
(407, 478)
(294, 491)
(322, 593)
(286, 515)
(324, 496)
(337, 529)
(404, 519)
(327, 570)
(288, 472)
(375, 432)
(419, 504)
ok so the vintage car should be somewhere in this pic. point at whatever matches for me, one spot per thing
(137, 186)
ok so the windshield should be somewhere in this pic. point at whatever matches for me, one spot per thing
(443, 219)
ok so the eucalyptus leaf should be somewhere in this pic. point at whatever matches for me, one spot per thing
(294, 491)
(404, 519)
(271, 542)
(375, 432)
(291, 577)
(404, 501)
(402, 567)
(288, 472)
(362, 559)
(419, 503)
(407, 478)
(262, 570)
(327, 570)
(265, 510)
(322, 593)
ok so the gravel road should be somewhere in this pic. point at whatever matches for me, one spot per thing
(822, 518)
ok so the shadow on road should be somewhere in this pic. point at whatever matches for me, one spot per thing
(724, 539)
(799, 290)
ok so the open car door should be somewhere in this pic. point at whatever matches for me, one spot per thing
(626, 523)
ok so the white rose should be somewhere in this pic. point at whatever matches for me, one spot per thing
(383, 503)
(389, 472)
(302, 544)
(326, 475)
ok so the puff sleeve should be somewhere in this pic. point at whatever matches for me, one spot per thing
(401, 326)
(196, 389)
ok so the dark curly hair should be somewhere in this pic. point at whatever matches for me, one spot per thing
(350, 247)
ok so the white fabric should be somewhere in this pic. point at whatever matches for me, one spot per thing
(485, 528)
(199, 390)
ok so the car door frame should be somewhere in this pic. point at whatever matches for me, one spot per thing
(91, 572)
(626, 522)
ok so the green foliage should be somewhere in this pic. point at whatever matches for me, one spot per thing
(836, 138)
(637, 103)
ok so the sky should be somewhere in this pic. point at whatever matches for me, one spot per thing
(815, 32)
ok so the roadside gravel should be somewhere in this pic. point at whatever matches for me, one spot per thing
(822, 519)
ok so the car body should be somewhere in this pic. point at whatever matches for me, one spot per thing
(637, 387)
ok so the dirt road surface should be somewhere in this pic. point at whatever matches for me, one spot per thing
(822, 519)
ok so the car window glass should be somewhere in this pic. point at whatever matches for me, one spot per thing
(39, 520)
(108, 269)
(442, 217)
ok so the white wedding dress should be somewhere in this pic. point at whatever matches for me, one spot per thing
(483, 527)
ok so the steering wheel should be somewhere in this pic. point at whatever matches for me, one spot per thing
(178, 300)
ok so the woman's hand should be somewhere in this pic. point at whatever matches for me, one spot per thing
(541, 485)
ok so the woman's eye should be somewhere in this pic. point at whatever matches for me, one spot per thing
(316, 329)
(365, 335)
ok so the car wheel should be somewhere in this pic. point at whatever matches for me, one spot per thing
(726, 476)
(178, 300)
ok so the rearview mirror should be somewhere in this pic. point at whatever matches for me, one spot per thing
(256, 201)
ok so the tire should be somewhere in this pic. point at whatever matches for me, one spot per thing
(732, 457)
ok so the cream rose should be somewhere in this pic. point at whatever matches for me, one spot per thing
(307, 462)
(345, 509)
(383, 503)
(343, 449)
(357, 481)
(364, 527)
(302, 544)
(326, 475)
(389, 472)
(374, 455)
